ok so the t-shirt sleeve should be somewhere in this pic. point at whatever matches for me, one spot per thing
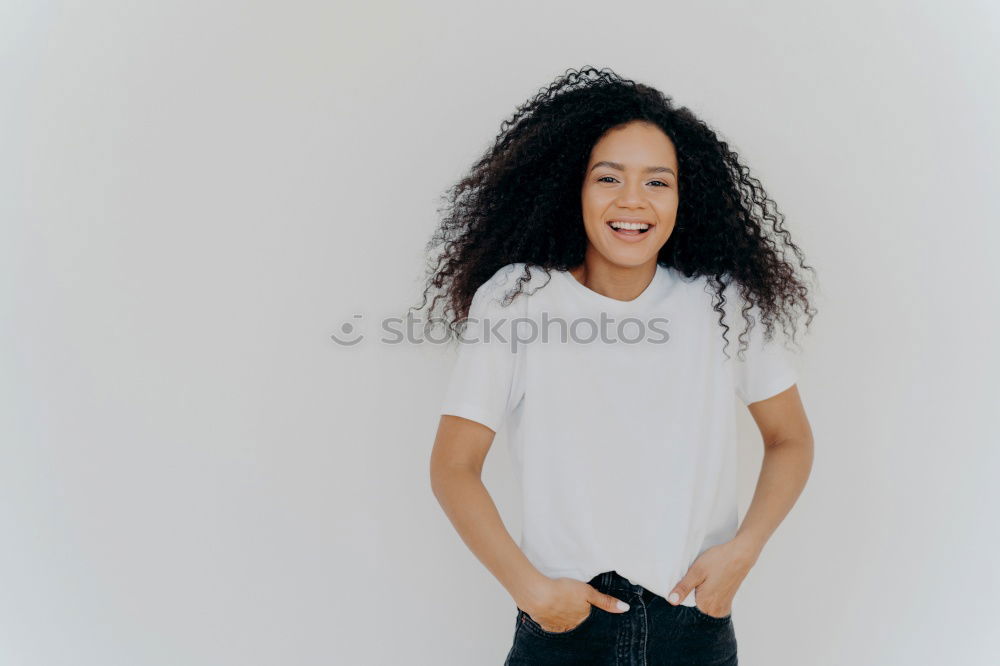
(486, 382)
(767, 368)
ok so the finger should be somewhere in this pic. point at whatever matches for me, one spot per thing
(683, 588)
(608, 602)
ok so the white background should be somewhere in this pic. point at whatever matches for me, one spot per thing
(195, 195)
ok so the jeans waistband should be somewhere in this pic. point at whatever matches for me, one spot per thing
(611, 582)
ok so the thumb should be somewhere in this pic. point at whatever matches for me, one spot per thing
(607, 602)
(682, 589)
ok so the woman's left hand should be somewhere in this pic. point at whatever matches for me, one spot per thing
(716, 575)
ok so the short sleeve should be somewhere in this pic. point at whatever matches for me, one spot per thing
(487, 380)
(766, 368)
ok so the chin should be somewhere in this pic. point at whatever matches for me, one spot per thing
(627, 259)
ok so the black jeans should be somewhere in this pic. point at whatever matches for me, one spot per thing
(652, 632)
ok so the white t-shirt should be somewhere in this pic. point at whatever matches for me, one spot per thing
(622, 433)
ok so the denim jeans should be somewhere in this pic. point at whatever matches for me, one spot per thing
(652, 632)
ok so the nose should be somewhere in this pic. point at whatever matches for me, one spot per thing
(631, 196)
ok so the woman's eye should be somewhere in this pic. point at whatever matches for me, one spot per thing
(609, 178)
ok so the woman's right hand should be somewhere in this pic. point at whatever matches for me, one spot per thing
(565, 603)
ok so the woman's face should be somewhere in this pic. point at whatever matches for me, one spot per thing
(631, 176)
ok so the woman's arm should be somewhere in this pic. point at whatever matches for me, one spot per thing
(460, 449)
(788, 457)
(788, 453)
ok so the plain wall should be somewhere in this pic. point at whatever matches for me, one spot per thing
(195, 195)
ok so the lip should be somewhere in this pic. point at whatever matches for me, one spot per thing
(629, 237)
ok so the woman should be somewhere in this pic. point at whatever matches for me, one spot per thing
(625, 229)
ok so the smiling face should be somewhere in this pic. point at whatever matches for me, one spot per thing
(631, 178)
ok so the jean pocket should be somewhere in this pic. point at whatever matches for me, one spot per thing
(702, 615)
(535, 628)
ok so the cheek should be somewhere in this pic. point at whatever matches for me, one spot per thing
(667, 207)
(593, 197)
(595, 206)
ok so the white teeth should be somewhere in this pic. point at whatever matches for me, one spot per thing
(629, 225)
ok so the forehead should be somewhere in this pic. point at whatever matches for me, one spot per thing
(636, 145)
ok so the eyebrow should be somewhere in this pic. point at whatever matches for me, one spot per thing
(620, 167)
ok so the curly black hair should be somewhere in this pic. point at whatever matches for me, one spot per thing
(521, 203)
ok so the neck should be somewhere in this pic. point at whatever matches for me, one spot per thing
(622, 283)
